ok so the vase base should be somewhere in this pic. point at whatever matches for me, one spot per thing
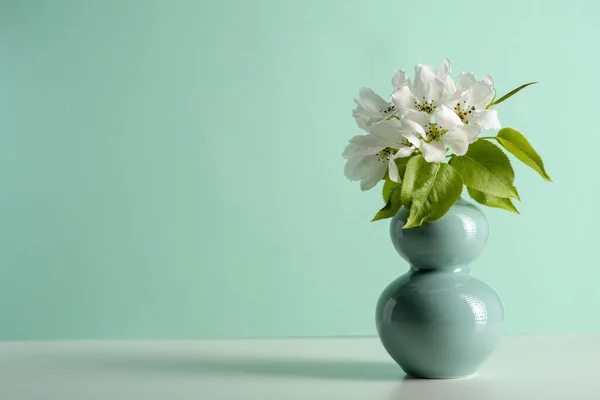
(411, 375)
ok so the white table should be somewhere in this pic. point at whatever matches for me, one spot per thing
(523, 367)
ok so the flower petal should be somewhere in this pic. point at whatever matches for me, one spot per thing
(472, 131)
(404, 99)
(363, 123)
(464, 81)
(363, 145)
(404, 152)
(393, 168)
(410, 126)
(365, 168)
(420, 117)
(487, 119)
(447, 118)
(427, 85)
(488, 80)
(393, 171)
(436, 90)
(457, 140)
(412, 138)
(365, 117)
(424, 75)
(480, 94)
(350, 151)
(456, 98)
(434, 151)
(371, 100)
(444, 69)
(400, 79)
(387, 131)
(376, 171)
(353, 168)
(445, 77)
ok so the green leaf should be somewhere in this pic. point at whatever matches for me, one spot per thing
(401, 164)
(516, 144)
(510, 94)
(388, 187)
(492, 201)
(430, 189)
(486, 168)
(393, 202)
(388, 211)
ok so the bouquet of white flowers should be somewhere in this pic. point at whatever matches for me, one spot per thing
(429, 121)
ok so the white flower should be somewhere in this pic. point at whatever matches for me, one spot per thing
(438, 131)
(369, 156)
(371, 108)
(440, 122)
(429, 90)
(431, 113)
(470, 100)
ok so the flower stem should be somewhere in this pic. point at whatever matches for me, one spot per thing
(488, 137)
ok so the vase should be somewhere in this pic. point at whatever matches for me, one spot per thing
(436, 320)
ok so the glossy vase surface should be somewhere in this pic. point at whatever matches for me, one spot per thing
(437, 320)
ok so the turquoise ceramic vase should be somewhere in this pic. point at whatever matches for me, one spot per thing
(436, 320)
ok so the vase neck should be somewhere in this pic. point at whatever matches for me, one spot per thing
(449, 243)
(453, 270)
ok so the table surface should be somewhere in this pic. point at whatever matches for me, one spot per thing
(523, 367)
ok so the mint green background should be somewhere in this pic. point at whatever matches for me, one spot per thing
(172, 169)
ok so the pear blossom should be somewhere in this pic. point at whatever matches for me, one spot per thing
(431, 114)
(429, 90)
(426, 102)
(423, 111)
(438, 131)
(371, 109)
(470, 100)
(370, 156)
(430, 117)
